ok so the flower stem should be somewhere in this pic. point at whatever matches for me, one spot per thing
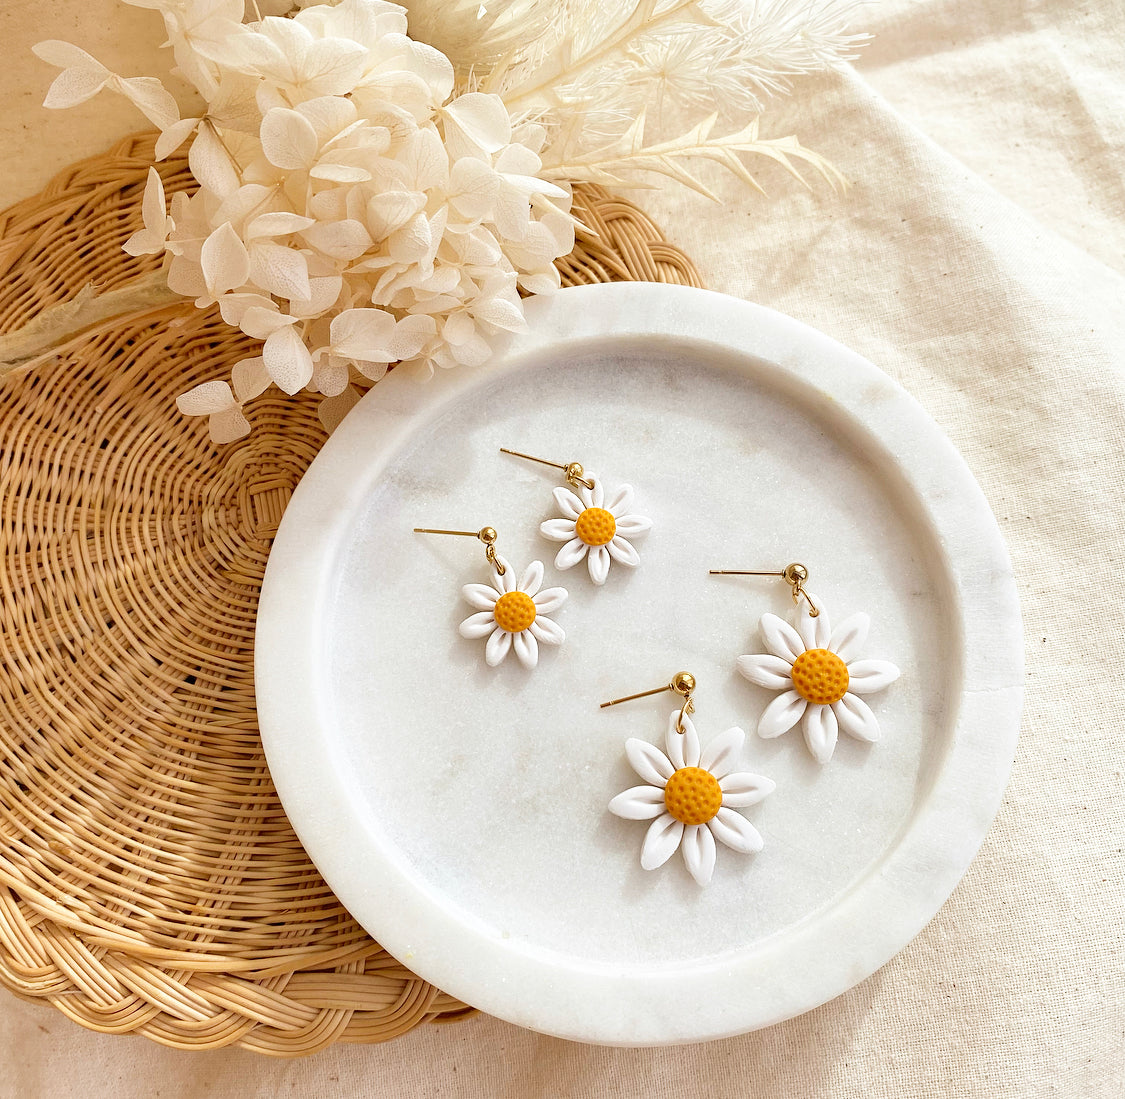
(37, 342)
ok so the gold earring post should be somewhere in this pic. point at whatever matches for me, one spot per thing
(487, 535)
(573, 471)
(682, 683)
(794, 575)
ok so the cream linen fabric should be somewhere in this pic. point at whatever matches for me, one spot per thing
(979, 258)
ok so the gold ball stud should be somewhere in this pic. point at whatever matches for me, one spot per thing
(683, 683)
(488, 535)
(795, 573)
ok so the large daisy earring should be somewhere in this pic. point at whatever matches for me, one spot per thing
(511, 614)
(595, 524)
(690, 795)
(816, 669)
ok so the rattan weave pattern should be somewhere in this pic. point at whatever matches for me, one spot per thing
(149, 880)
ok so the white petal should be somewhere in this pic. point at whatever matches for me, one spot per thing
(855, 718)
(868, 676)
(480, 122)
(339, 173)
(150, 97)
(568, 503)
(280, 270)
(847, 638)
(532, 579)
(224, 260)
(661, 840)
(620, 501)
(250, 378)
(549, 600)
(815, 632)
(363, 334)
(638, 803)
(345, 240)
(145, 242)
(781, 715)
(154, 209)
(207, 398)
(781, 639)
(502, 313)
(630, 526)
(622, 552)
(699, 852)
(506, 581)
(598, 564)
(821, 729)
(527, 648)
(74, 86)
(597, 493)
(767, 671)
(558, 530)
(735, 831)
(333, 410)
(570, 554)
(480, 596)
(173, 137)
(649, 762)
(411, 334)
(497, 647)
(225, 427)
(277, 223)
(288, 360)
(261, 322)
(65, 55)
(719, 754)
(288, 139)
(546, 631)
(683, 748)
(210, 164)
(478, 625)
(743, 788)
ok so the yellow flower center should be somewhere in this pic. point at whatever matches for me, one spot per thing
(820, 676)
(595, 526)
(692, 795)
(515, 611)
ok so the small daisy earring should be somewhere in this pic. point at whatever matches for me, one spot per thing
(594, 525)
(690, 795)
(510, 615)
(816, 669)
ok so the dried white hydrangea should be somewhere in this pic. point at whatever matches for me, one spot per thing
(352, 212)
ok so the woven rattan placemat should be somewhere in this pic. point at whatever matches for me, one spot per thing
(149, 879)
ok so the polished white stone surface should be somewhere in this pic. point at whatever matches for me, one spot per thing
(459, 811)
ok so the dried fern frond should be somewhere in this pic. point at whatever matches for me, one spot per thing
(619, 164)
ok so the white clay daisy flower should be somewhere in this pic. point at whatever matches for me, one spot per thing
(691, 797)
(595, 527)
(514, 616)
(820, 676)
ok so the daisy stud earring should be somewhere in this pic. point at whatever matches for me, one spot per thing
(513, 616)
(596, 524)
(816, 670)
(689, 794)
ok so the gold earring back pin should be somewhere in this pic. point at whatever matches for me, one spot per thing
(573, 471)
(487, 535)
(682, 683)
(794, 575)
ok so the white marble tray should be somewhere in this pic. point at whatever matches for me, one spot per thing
(459, 811)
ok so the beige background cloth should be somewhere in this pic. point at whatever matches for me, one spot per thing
(979, 258)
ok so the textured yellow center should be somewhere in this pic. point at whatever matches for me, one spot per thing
(595, 526)
(820, 676)
(693, 795)
(515, 611)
